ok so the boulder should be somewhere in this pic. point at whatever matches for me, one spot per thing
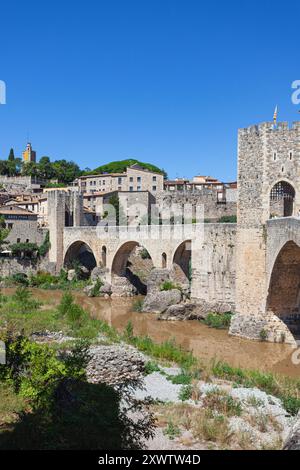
(156, 278)
(186, 311)
(88, 290)
(71, 275)
(159, 301)
(105, 289)
(122, 287)
(293, 440)
(98, 273)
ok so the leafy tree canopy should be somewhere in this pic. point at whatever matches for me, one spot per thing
(121, 165)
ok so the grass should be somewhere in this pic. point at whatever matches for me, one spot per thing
(44, 280)
(221, 402)
(11, 405)
(166, 351)
(201, 422)
(20, 312)
(285, 388)
(218, 320)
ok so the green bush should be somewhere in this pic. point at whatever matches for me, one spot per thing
(151, 367)
(138, 305)
(45, 246)
(24, 250)
(184, 378)
(185, 392)
(20, 278)
(95, 292)
(218, 320)
(34, 370)
(168, 285)
(145, 254)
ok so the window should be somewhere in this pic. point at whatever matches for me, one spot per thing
(27, 240)
(153, 178)
(139, 179)
(131, 179)
(130, 188)
(291, 155)
(275, 156)
(94, 183)
(10, 226)
(119, 180)
(153, 188)
(18, 240)
(103, 182)
(138, 188)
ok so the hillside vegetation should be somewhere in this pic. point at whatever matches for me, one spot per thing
(121, 165)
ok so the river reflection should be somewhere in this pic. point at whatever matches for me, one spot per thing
(206, 343)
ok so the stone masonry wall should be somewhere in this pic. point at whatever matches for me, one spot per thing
(212, 209)
(214, 270)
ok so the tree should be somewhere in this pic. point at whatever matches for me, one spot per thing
(45, 168)
(11, 155)
(3, 232)
(65, 171)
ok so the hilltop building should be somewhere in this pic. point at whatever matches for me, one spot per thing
(136, 178)
(29, 155)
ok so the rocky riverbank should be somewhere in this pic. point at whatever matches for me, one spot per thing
(201, 413)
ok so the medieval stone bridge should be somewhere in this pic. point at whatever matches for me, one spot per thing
(111, 246)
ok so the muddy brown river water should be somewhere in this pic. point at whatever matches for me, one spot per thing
(205, 343)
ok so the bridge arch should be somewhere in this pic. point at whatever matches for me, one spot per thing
(81, 252)
(283, 298)
(182, 258)
(121, 266)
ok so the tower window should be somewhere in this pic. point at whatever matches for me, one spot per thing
(275, 156)
(291, 155)
(282, 169)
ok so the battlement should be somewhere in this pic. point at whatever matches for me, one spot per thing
(266, 127)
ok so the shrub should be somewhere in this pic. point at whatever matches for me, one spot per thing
(24, 250)
(138, 305)
(66, 302)
(218, 320)
(95, 292)
(172, 430)
(34, 370)
(263, 334)
(20, 278)
(145, 254)
(185, 392)
(168, 285)
(151, 367)
(128, 332)
(42, 278)
(184, 378)
(45, 246)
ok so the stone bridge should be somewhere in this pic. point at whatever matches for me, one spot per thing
(111, 246)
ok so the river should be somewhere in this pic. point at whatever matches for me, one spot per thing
(205, 343)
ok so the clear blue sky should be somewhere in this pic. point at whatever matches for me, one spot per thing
(164, 81)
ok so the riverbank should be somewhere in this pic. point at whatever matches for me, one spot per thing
(207, 344)
(194, 404)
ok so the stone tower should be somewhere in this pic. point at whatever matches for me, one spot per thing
(65, 209)
(268, 181)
